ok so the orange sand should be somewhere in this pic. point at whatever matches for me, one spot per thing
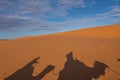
(99, 43)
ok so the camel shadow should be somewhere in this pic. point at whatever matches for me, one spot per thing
(26, 73)
(73, 70)
(77, 70)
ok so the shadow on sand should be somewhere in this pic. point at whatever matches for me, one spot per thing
(118, 60)
(73, 70)
(77, 70)
(26, 73)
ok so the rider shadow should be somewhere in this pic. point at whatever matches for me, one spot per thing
(77, 70)
(26, 73)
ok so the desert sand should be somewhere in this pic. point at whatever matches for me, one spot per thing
(88, 45)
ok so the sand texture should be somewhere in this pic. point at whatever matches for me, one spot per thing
(88, 45)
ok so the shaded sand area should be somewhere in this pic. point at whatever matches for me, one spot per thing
(88, 45)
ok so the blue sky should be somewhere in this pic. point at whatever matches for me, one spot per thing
(35, 17)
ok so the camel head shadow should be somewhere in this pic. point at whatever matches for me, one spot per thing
(98, 69)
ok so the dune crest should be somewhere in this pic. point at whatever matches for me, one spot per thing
(110, 31)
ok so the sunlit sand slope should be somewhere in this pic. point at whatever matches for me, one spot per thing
(88, 45)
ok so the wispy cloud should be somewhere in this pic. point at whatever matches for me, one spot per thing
(113, 11)
(12, 22)
(19, 15)
(113, 15)
(41, 7)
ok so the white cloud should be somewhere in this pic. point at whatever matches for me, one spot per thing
(42, 8)
(34, 7)
(114, 11)
(71, 3)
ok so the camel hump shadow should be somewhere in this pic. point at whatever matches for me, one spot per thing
(77, 70)
(26, 73)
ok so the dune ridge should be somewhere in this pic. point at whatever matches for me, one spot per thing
(94, 32)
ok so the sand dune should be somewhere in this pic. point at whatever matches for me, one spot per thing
(88, 45)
